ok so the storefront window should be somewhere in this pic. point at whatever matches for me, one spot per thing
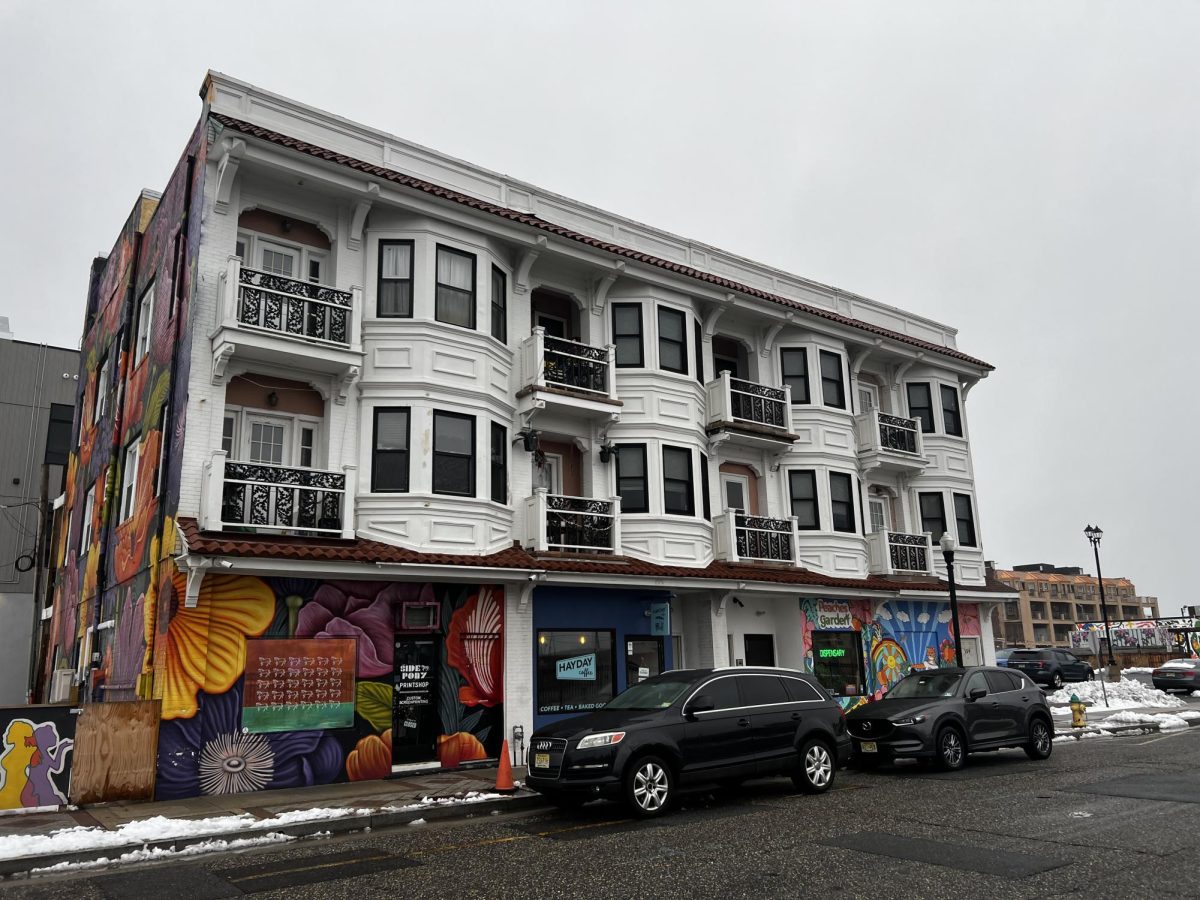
(837, 661)
(575, 671)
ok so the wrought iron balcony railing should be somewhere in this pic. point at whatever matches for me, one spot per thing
(296, 308)
(260, 497)
(551, 362)
(894, 438)
(741, 537)
(572, 524)
(894, 552)
(735, 400)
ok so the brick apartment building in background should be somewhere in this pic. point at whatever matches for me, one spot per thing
(1053, 599)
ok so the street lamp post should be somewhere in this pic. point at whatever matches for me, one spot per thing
(947, 544)
(1093, 534)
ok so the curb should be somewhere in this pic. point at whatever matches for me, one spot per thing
(1119, 730)
(21, 866)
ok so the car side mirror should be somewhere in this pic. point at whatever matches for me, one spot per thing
(977, 694)
(700, 704)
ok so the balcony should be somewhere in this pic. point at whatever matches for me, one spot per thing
(554, 522)
(255, 497)
(889, 442)
(266, 318)
(896, 553)
(568, 376)
(742, 538)
(748, 413)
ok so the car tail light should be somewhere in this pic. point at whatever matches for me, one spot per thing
(1041, 665)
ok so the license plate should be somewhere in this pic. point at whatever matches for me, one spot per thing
(541, 760)
(868, 747)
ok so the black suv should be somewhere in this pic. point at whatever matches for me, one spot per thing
(1050, 667)
(688, 730)
(944, 714)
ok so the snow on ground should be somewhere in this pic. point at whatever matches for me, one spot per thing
(151, 853)
(1165, 721)
(1143, 669)
(1125, 694)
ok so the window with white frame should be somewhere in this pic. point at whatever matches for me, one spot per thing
(794, 363)
(920, 404)
(951, 416)
(833, 381)
(100, 401)
(129, 472)
(394, 291)
(271, 438)
(145, 322)
(453, 454)
(802, 486)
(499, 305)
(284, 258)
(933, 513)
(672, 340)
(964, 516)
(89, 513)
(841, 502)
(455, 300)
(678, 495)
(627, 334)
(164, 443)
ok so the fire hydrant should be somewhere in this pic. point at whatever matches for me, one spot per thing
(1078, 712)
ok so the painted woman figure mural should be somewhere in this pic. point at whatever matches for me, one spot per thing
(32, 755)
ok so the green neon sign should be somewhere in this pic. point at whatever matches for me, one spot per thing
(832, 652)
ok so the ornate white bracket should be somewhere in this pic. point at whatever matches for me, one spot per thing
(221, 358)
(343, 385)
(601, 288)
(714, 314)
(860, 357)
(227, 169)
(525, 265)
(715, 441)
(359, 217)
(966, 387)
(196, 567)
(773, 333)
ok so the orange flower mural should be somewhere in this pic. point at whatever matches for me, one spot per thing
(371, 758)
(460, 747)
(205, 647)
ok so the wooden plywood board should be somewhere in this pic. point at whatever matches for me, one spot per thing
(116, 751)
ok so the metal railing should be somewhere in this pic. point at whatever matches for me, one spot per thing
(737, 400)
(297, 309)
(909, 552)
(899, 434)
(741, 537)
(572, 524)
(895, 437)
(568, 365)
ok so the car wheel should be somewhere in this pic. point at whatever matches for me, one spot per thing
(649, 786)
(1056, 681)
(817, 768)
(951, 751)
(1041, 744)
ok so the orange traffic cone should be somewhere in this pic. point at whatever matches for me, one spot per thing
(504, 781)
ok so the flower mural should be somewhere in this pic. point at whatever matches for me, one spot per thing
(371, 758)
(474, 649)
(208, 753)
(361, 610)
(205, 647)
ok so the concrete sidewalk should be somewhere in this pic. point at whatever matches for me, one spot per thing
(350, 807)
(1097, 717)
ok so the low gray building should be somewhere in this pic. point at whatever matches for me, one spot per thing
(37, 397)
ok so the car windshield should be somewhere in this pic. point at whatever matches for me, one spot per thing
(926, 684)
(1185, 663)
(649, 695)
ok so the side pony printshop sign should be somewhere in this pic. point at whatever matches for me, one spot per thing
(299, 685)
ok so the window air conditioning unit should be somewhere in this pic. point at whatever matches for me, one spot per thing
(417, 616)
(60, 686)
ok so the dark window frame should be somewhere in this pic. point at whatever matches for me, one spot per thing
(680, 344)
(540, 671)
(499, 462)
(439, 454)
(628, 451)
(923, 412)
(640, 335)
(690, 507)
(828, 382)
(847, 504)
(815, 500)
(438, 286)
(500, 307)
(952, 413)
(968, 519)
(380, 279)
(698, 335)
(941, 499)
(803, 396)
(376, 453)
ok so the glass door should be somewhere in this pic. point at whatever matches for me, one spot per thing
(643, 658)
(415, 721)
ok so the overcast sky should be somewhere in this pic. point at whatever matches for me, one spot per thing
(1025, 172)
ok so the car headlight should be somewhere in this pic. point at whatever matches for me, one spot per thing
(911, 720)
(604, 739)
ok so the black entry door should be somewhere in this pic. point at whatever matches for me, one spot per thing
(760, 650)
(643, 658)
(415, 724)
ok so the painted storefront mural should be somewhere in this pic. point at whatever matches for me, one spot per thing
(204, 747)
(1141, 634)
(896, 637)
(35, 756)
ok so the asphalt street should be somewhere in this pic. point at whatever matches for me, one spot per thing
(1107, 817)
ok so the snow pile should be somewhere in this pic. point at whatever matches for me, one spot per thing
(1142, 669)
(429, 802)
(1125, 694)
(1189, 714)
(1165, 721)
(156, 828)
(150, 853)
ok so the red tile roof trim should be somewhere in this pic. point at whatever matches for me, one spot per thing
(361, 550)
(300, 146)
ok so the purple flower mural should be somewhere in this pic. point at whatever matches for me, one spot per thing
(209, 754)
(363, 610)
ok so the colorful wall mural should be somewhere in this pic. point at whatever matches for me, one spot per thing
(35, 748)
(895, 637)
(203, 748)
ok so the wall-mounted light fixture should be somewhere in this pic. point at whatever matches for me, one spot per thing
(607, 452)
(272, 399)
(529, 440)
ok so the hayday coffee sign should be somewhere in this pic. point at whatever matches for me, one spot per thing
(576, 668)
(834, 615)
